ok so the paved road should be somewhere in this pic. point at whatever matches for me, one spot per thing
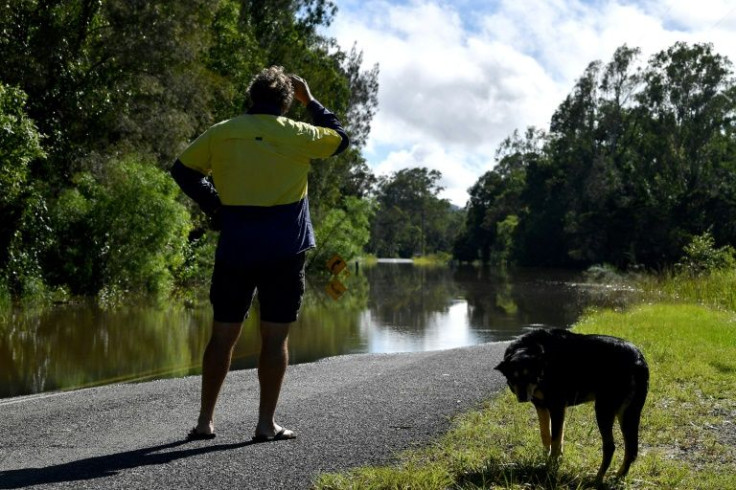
(348, 411)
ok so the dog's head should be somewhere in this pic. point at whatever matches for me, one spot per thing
(523, 368)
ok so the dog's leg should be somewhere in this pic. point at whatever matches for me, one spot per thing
(544, 425)
(604, 417)
(557, 419)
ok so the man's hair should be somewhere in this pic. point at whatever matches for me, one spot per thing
(272, 86)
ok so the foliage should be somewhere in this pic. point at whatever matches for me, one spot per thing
(686, 439)
(411, 220)
(199, 255)
(20, 144)
(117, 86)
(22, 209)
(701, 256)
(23, 269)
(637, 160)
(105, 74)
(343, 231)
(123, 231)
(492, 212)
(716, 288)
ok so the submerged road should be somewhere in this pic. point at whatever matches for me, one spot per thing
(347, 411)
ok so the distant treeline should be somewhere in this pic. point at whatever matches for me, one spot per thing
(638, 163)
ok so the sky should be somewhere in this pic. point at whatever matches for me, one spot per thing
(458, 77)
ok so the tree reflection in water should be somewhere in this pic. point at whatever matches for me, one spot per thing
(387, 308)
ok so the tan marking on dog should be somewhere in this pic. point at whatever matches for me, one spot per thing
(544, 427)
(557, 444)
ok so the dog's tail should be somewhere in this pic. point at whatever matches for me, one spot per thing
(631, 416)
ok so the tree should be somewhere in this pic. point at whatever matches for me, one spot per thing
(114, 81)
(637, 162)
(686, 156)
(105, 75)
(495, 200)
(123, 232)
(411, 219)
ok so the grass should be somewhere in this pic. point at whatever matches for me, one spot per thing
(437, 259)
(688, 438)
(716, 289)
(440, 258)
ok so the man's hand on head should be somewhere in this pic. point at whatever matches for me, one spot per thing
(301, 90)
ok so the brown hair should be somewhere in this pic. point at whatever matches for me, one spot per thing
(272, 86)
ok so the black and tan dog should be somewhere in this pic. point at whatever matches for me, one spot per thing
(557, 368)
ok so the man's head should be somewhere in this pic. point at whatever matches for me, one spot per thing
(272, 87)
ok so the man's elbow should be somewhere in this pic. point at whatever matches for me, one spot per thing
(344, 142)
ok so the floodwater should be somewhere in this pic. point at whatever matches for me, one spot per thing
(388, 307)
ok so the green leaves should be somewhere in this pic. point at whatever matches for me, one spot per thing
(118, 88)
(638, 160)
(22, 230)
(123, 231)
(20, 144)
(411, 218)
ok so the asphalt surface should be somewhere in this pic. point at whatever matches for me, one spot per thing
(347, 411)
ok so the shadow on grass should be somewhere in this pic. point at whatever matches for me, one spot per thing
(534, 475)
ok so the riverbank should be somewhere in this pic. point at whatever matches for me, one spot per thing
(688, 437)
(348, 411)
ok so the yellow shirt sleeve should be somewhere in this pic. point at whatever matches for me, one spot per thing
(198, 155)
(316, 141)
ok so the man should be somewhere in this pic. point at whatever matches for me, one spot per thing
(259, 163)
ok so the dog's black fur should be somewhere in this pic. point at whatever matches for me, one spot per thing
(557, 368)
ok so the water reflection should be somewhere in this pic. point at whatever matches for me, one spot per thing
(388, 308)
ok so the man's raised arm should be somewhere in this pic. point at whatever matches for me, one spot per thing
(320, 115)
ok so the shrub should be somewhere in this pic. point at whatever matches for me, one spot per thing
(23, 224)
(20, 143)
(343, 231)
(199, 261)
(702, 256)
(123, 232)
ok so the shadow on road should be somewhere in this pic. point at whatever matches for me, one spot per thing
(104, 466)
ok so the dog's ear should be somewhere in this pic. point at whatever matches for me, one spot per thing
(535, 349)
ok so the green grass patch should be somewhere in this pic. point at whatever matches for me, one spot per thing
(716, 288)
(440, 258)
(688, 438)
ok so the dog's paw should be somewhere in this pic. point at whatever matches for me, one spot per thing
(555, 452)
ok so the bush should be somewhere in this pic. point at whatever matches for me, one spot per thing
(22, 208)
(199, 261)
(343, 231)
(20, 143)
(27, 243)
(702, 256)
(124, 232)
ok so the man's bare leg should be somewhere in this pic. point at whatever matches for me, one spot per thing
(271, 369)
(215, 366)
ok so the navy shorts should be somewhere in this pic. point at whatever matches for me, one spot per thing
(280, 286)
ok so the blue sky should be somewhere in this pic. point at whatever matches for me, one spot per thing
(457, 77)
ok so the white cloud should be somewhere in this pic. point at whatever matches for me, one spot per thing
(456, 80)
(459, 169)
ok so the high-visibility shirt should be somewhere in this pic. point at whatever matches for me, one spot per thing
(259, 164)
